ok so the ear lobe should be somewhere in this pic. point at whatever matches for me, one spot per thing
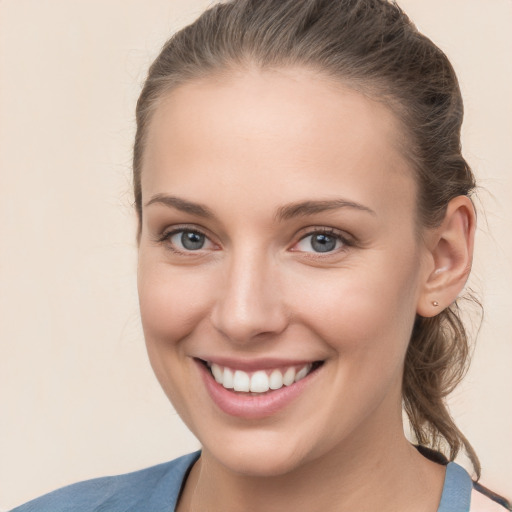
(451, 252)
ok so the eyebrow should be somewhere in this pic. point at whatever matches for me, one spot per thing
(286, 212)
(182, 204)
(304, 208)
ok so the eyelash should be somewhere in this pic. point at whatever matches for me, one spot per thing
(346, 242)
(165, 238)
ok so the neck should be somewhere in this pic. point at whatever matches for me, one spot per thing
(387, 474)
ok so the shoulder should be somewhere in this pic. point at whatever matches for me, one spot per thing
(460, 492)
(156, 487)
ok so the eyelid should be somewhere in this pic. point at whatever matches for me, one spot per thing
(346, 239)
(165, 236)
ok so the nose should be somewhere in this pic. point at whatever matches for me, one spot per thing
(250, 303)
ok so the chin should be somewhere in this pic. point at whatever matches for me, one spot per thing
(258, 462)
(267, 454)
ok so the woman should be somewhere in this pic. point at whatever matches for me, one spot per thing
(305, 228)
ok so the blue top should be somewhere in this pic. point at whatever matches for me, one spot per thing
(157, 489)
(457, 488)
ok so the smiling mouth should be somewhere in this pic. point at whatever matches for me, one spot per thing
(259, 381)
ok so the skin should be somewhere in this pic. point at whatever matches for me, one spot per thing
(245, 146)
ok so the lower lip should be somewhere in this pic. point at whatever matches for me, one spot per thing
(249, 406)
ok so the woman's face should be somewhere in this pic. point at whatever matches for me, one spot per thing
(278, 238)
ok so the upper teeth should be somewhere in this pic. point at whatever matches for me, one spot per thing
(259, 381)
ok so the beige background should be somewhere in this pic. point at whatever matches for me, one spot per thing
(77, 396)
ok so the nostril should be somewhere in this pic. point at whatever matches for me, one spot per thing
(245, 321)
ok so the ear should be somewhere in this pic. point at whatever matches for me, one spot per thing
(450, 254)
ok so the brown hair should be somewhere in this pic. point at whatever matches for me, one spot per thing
(372, 46)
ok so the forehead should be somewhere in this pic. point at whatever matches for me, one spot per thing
(256, 131)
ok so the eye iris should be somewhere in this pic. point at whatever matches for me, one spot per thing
(192, 241)
(323, 243)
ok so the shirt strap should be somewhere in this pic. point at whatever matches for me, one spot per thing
(457, 488)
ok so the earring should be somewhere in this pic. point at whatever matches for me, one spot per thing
(435, 303)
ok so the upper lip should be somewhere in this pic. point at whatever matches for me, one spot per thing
(255, 364)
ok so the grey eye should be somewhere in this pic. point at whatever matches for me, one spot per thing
(192, 241)
(323, 243)
(319, 242)
(188, 240)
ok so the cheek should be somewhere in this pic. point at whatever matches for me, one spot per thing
(172, 301)
(365, 318)
(361, 310)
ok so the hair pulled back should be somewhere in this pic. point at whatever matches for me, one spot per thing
(371, 46)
